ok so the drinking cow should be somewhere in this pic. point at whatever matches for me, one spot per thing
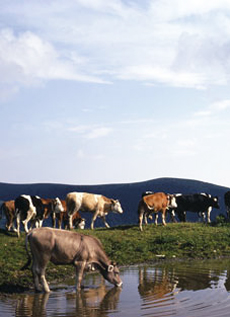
(67, 247)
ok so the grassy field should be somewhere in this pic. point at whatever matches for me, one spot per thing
(126, 245)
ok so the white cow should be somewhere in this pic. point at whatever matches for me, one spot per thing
(99, 205)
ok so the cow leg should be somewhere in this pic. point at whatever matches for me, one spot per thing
(80, 267)
(9, 221)
(44, 283)
(39, 277)
(173, 216)
(36, 275)
(70, 222)
(140, 221)
(18, 224)
(163, 217)
(93, 220)
(53, 216)
(182, 215)
(156, 218)
(209, 214)
(8, 226)
(39, 223)
(106, 223)
(25, 223)
(228, 212)
(146, 218)
(13, 226)
(59, 222)
(202, 215)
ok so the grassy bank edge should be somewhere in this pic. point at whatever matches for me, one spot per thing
(124, 244)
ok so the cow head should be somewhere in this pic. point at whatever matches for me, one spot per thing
(111, 274)
(57, 205)
(215, 202)
(116, 206)
(79, 223)
(172, 201)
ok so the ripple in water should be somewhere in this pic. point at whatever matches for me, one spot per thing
(199, 288)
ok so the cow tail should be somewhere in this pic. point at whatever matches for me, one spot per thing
(26, 266)
(139, 209)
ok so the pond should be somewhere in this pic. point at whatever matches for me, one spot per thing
(181, 289)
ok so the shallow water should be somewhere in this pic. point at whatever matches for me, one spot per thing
(181, 289)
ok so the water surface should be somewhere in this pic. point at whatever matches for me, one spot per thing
(180, 289)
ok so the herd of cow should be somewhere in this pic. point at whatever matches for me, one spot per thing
(34, 210)
(83, 251)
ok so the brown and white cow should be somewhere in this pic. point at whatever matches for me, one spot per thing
(99, 205)
(51, 206)
(8, 209)
(67, 247)
(34, 209)
(62, 217)
(154, 203)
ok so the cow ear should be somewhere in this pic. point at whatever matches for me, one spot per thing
(110, 268)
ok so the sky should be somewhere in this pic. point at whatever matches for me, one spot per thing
(114, 91)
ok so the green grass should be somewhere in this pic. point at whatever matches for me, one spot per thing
(126, 245)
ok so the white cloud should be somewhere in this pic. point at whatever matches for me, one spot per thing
(28, 59)
(221, 105)
(98, 133)
(163, 75)
(171, 42)
(91, 131)
(214, 109)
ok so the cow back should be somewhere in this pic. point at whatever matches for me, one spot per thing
(156, 201)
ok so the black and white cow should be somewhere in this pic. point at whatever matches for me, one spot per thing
(227, 202)
(201, 203)
(28, 208)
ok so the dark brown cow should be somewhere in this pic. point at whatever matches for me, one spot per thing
(62, 217)
(99, 205)
(67, 247)
(157, 202)
(8, 209)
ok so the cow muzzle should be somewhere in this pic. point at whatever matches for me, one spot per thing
(119, 284)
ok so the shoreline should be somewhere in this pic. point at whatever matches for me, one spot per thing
(124, 244)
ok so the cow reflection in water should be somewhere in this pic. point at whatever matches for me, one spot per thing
(156, 283)
(32, 305)
(95, 302)
(160, 282)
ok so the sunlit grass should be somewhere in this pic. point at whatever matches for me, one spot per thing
(125, 245)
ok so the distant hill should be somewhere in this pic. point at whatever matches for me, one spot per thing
(129, 194)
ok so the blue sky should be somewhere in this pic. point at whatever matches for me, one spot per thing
(112, 91)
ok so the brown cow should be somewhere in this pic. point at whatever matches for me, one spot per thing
(8, 209)
(153, 204)
(99, 205)
(67, 247)
(62, 217)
